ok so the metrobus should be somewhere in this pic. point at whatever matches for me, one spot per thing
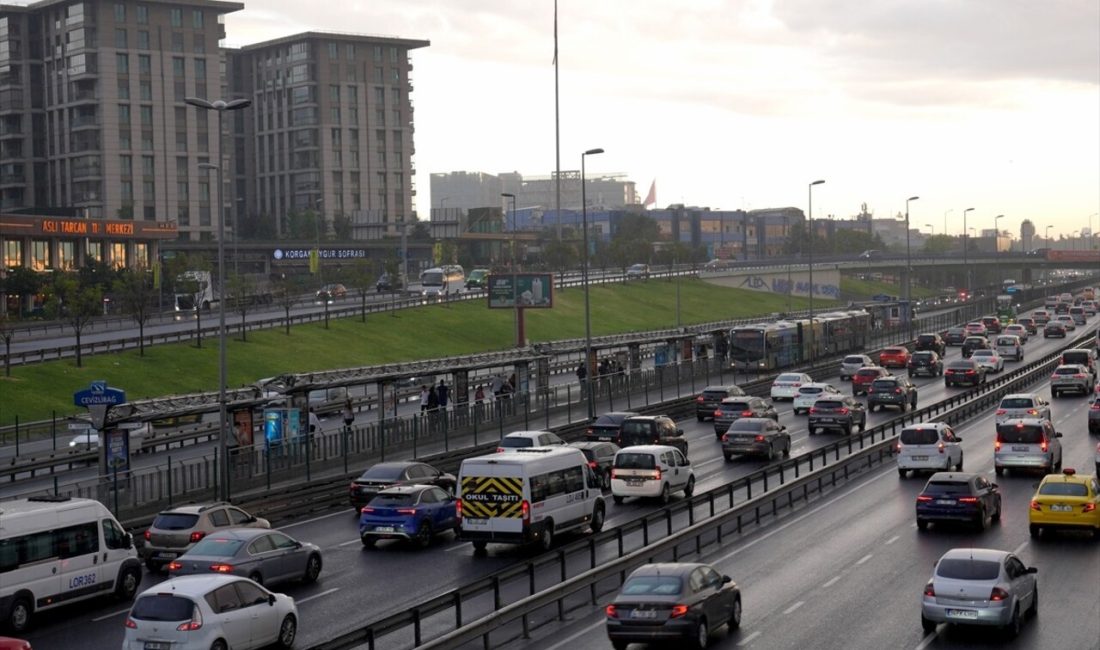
(442, 281)
(786, 343)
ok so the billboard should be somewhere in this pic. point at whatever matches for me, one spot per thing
(533, 290)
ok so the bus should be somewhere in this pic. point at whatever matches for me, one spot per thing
(441, 281)
(770, 346)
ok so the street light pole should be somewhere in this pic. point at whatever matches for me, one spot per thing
(810, 216)
(1047, 237)
(997, 233)
(945, 219)
(787, 237)
(515, 292)
(223, 430)
(587, 311)
(932, 228)
(966, 254)
(908, 270)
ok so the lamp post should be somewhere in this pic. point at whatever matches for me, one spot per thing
(1073, 239)
(515, 291)
(908, 270)
(584, 271)
(810, 191)
(1047, 237)
(947, 212)
(1092, 233)
(223, 432)
(997, 233)
(787, 237)
(932, 228)
(966, 245)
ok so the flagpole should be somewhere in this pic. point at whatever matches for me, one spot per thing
(557, 130)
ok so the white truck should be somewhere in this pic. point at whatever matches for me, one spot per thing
(195, 290)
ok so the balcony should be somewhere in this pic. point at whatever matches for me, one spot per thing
(84, 122)
(12, 178)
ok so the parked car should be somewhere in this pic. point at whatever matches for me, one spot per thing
(331, 292)
(955, 336)
(787, 384)
(843, 413)
(210, 611)
(989, 359)
(861, 381)
(707, 401)
(1029, 323)
(852, 363)
(600, 455)
(652, 471)
(1022, 405)
(925, 363)
(894, 357)
(930, 342)
(606, 427)
(974, 343)
(992, 324)
(981, 587)
(391, 474)
(752, 436)
(672, 601)
(958, 497)
(1066, 501)
(808, 394)
(1054, 330)
(411, 512)
(176, 530)
(929, 445)
(1009, 346)
(1027, 443)
(734, 408)
(522, 439)
(1072, 378)
(963, 372)
(652, 430)
(892, 391)
(263, 556)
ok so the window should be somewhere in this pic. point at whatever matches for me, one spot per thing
(200, 69)
(181, 190)
(146, 140)
(113, 536)
(177, 41)
(145, 64)
(120, 12)
(126, 190)
(125, 165)
(349, 51)
(178, 67)
(142, 14)
(120, 39)
(143, 39)
(124, 139)
(124, 114)
(40, 255)
(377, 52)
(145, 89)
(238, 517)
(66, 255)
(13, 253)
(146, 112)
(124, 89)
(219, 518)
(261, 544)
(334, 114)
(379, 95)
(223, 599)
(175, 17)
(280, 540)
(148, 190)
(196, 19)
(353, 95)
(94, 251)
(122, 62)
(334, 93)
(183, 215)
(395, 74)
(250, 594)
(379, 74)
(74, 541)
(199, 44)
(333, 51)
(147, 167)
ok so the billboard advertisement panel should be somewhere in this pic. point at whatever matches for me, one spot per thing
(531, 290)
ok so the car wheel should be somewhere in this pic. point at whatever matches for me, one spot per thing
(313, 569)
(848, 429)
(424, 535)
(902, 473)
(1012, 630)
(663, 498)
(368, 541)
(620, 645)
(19, 616)
(479, 547)
(699, 418)
(927, 625)
(256, 577)
(959, 466)
(982, 521)
(734, 621)
(999, 471)
(771, 453)
(605, 480)
(127, 585)
(220, 644)
(728, 457)
(702, 635)
(689, 489)
(922, 524)
(288, 630)
(787, 449)
(546, 540)
(1033, 611)
(618, 499)
(598, 517)
(154, 566)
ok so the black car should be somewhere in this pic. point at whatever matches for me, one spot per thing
(707, 401)
(735, 408)
(955, 336)
(387, 283)
(958, 496)
(652, 430)
(404, 472)
(606, 427)
(752, 436)
(1054, 329)
(974, 343)
(925, 363)
(839, 414)
(600, 455)
(963, 372)
(672, 602)
(892, 391)
(932, 342)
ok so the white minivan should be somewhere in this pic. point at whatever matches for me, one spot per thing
(1009, 346)
(528, 495)
(60, 550)
(929, 446)
(654, 471)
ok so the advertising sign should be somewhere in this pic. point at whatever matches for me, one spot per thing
(660, 355)
(273, 427)
(242, 425)
(531, 290)
(118, 450)
(293, 419)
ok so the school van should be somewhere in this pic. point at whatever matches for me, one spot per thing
(527, 496)
(60, 550)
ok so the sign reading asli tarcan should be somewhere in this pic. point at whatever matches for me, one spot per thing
(532, 290)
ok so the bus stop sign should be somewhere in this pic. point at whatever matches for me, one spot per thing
(98, 399)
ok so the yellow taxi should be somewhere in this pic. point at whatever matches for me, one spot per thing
(1066, 501)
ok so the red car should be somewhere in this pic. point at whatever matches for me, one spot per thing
(861, 381)
(8, 643)
(992, 324)
(894, 357)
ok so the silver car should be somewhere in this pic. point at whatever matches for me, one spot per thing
(264, 556)
(1023, 405)
(1027, 444)
(1072, 378)
(979, 586)
(852, 363)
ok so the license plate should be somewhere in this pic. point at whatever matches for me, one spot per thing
(643, 613)
(920, 457)
(156, 645)
(1061, 508)
(383, 529)
(1020, 448)
(962, 613)
(829, 420)
(474, 522)
(946, 502)
(634, 482)
(166, 556)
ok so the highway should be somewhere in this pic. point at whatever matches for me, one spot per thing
(359, 585)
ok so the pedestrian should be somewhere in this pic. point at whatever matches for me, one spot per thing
(423, 398)
(441, 394)
(348, 413)
(582, 372)
(479, 395)
(512, 383)
(314, 422)
(433, 400)
(497, 385)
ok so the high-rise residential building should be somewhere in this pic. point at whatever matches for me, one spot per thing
(467, 190)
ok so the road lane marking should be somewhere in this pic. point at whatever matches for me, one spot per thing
(864, 558)
(749, 639)
(349, 543)
(340, 513)
(832, 581)
(891, 540)
(111, 615)
(570, 639)
(323, 593)
(926, 641)
(708, 462)
(794, 607)
(1021, 547)
(457, 546)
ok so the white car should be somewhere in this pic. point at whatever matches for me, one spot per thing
(210, 612)
(1016, 329)
(1023, 405)
(852, 363)
(808, 394)
(787, 384)
(989, 359)
(520, 439)
(1067, 320)
(929, 446)
(653, 471)
(89, 439)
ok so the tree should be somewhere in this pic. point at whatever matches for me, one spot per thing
(97, 273)
(939, 244)
(134, 288)
(76, 305)
(626, 251)
(287, 291)
(241, 292)
(23, 282)
(342, 227)
(361, 278)
(304, 226)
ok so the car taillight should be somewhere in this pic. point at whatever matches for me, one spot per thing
(796, 384)
(174, 566)
(923, 498)
(194, 624)
(589, 431)
(746, 414)
(940, 447)
(996, 445)
(1095, 406)
(656, 476)
(929, 590)
(971, 372)
(678, 611)
(718, 413)
(406, 511)
(844, 411)
(725, 437)
(197, 535)
(1089, 507)
(1002, 412)
(897, 391)
(352, 487)
(130, 623)
(968, 499)
(366, 510)
(614, 473)
(899, 447)
(525, 510)
(458, 510)
(699, 399)
(759, 438)
(1043, 446)
(813, 410)
(998, 594)
(1035, 505)
(1032, 412)
(221, 568)
(148, 535)
(611, 611)
(1080, 376)
(593, 464)
(500, 450)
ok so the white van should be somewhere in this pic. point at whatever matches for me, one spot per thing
(59, 550)
(1009, 347)
(527, 496)
(651, 471)
(929, 446)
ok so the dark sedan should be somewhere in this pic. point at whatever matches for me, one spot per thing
(601, 456)
(955, 336)
(842, 413)
(931, 342)
(707, 401)
(263, 555)
(606, 427)
(959, 497)
(385, 475)
(975, 343)
(1054, 329)
(756, 437)
(672, 602)
(734, 408)
(892, 391)
(963, 372)
(925, 363)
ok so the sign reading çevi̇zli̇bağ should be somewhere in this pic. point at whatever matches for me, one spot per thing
(530, 290)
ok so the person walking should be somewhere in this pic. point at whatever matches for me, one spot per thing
(442, 394)
(348, 413)
(423, 398)
(433, 400)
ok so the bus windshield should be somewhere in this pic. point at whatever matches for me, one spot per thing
(432, 279)
(747, 345)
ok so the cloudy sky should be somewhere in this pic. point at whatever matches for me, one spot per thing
(990, 104)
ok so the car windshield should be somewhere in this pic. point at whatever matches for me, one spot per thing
(926, 338)
(893, 351)
(960, 365)
(510, 442)
(734, 406)
(383, 473)
(652, 586)
(922, 356)
(220, 546)
(947, 487)
(810, 390)
(634, 461)
(884, 384)
(1064, 489)
(788, 378)
(748, 425)
(983, 353)
(175, 521)
(637, 428)
(1020, 434)
(853, 359)
(1017, 403)
(393, 500)
(1075, 357)
(967, 569)
(608, 420)
(1067, 370)
(162, 607)
(828, 404)
(868, 372)
(715, 394)
(919, 437)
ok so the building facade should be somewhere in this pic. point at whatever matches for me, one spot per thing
(468, 190)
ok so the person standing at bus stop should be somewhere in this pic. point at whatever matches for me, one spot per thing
(423, 398)
(443, 395)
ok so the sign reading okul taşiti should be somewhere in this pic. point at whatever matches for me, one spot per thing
(527, 290)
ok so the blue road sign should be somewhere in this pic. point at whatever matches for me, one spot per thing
(99, 394)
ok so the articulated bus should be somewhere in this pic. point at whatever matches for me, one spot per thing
(787, 343)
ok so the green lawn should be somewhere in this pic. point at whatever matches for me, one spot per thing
(33, 392)
(864, 289)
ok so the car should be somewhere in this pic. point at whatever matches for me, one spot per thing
(600, 457)
(386, 282)
(734, 408)
(1072, 378)
(1027, 443)
(992, 324)
(8, 643)
(929, 445)
(892, 391)
(974, 343)
(263, 556)
(843, 413)
(174, 531)
(1090, 307)
(1054, 329)
(930, 342)
(606, 427)
(980, 587)
(477, 279)
(1022, 405)
(210, 611)
(872, 254)
(894, 357)
(1066, 501)
(861, 381)
(90, 439)
(959, 497)
(653, 430)
(925, 363)
(1061, 309)
(976, 328)
(522, 439)
(1041, 316)
(955, 336)
(651, 471)
(1094, 416)
(1067, 321)
(707, 401)
(393, 473)
(1078, 315)
(989, 359)
(756, 437)
(786, 385)
(1018, 330)
(852, 363)
(1029, 323)
(1009, 346)
(963, 372)
(808, 394)
(409, 512)
(672, 602)
(637, 272)
(330, 292)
